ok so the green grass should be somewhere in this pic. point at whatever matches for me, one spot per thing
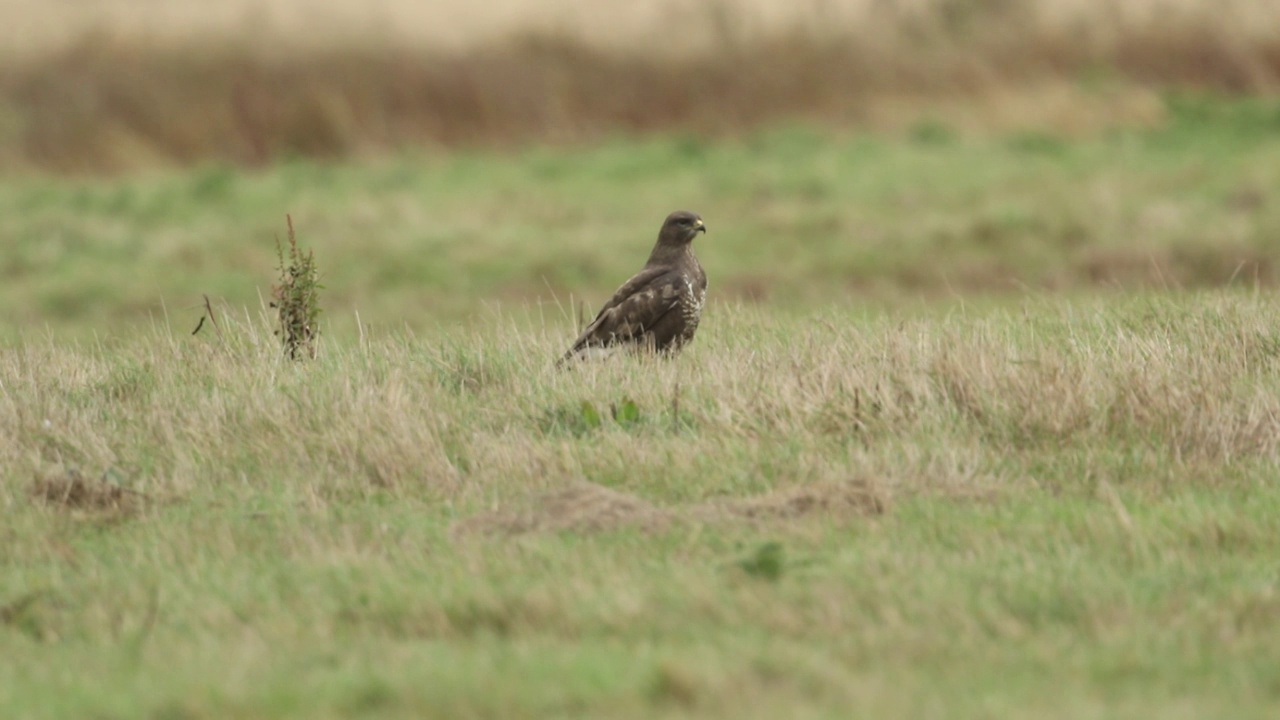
(1056, 511)
(980, 501)
(796, 217)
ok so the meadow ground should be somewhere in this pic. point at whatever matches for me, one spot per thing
(973, 427)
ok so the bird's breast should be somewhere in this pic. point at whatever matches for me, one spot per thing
(691, 302)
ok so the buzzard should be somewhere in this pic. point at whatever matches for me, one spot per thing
(657, 309)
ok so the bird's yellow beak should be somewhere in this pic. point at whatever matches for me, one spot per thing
(700, 226)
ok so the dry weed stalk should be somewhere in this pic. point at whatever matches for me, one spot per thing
(296, 299)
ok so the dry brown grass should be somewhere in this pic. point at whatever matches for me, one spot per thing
(117, 101)
(776, 418)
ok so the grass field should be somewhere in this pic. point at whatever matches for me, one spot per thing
(974, 427)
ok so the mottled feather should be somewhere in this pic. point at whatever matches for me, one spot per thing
(660, 307)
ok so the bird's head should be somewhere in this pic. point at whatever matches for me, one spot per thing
(680, 227)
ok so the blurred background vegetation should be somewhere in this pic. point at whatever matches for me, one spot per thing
(124, 84)
(440, 155)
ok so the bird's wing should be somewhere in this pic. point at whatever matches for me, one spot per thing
(638, 305)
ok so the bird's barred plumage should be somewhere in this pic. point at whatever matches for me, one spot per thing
(660, 307)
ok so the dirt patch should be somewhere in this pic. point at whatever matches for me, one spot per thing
(585, 507)
(852, 498)
(71, 490)
(748, 288)
(581, 507)
(1188, 266)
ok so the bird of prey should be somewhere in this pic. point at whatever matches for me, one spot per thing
(657, 309)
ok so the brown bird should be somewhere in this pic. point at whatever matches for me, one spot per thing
(658, 309)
